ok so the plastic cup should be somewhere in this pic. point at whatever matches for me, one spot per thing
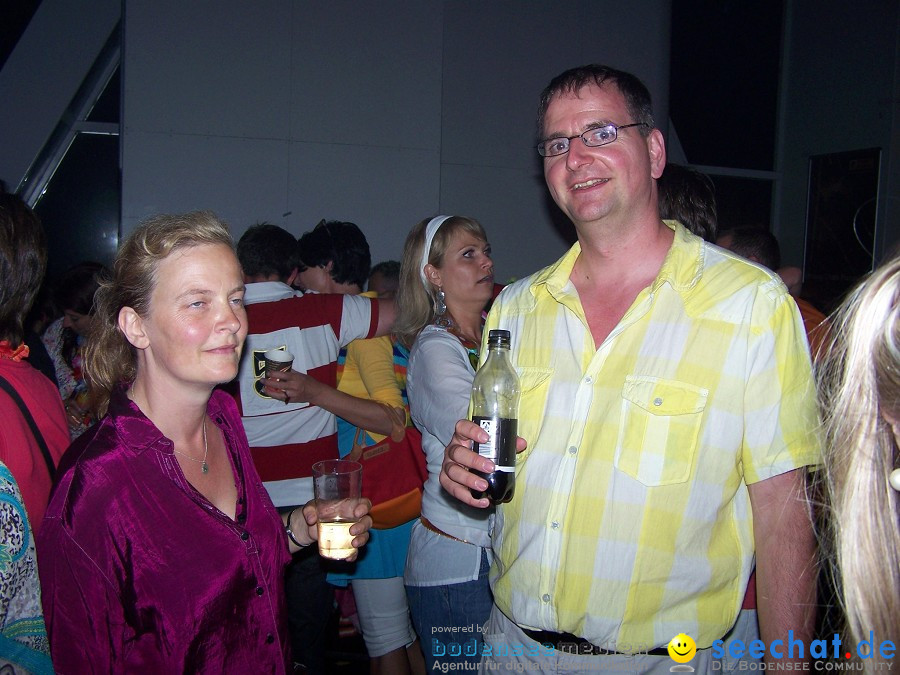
(337, 484)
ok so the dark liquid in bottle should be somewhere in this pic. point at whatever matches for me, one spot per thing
(502, 450)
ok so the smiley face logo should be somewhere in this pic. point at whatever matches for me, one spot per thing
(682, 648)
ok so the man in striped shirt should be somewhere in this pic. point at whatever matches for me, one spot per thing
(288, 436)
(669, 413)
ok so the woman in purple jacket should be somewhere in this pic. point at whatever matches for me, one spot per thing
(160, 550)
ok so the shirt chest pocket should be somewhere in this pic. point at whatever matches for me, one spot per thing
(658, 429)
(534, 384)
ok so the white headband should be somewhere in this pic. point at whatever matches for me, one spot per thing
(430, 231)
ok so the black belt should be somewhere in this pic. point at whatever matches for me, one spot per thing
(572, 644)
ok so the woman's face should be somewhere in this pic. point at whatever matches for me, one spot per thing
(467, 271)
(80, 323)
(196, 324)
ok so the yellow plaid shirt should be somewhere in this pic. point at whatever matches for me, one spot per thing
(631, 519)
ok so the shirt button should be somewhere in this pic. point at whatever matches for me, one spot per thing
(259, 590)
(245, 535)
(554, 525)
(657, 401)
(270, 639)
(572, 449)
(545, 597)
(242, 518)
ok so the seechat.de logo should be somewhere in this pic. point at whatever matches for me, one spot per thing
(681, 649)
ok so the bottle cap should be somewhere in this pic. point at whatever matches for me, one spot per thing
(498, 338)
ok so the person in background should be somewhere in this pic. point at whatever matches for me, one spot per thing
(446, 278)
(23, 637)
(65, 339)
(384, 279)
(760, 246)
(23, 259)
(376, 370)
(792, 276)
(289, 432)
(160, 551)
(668, 407)
(332, 257)
(859, 393)
(369, 370)
(36, 323)
(688, 196)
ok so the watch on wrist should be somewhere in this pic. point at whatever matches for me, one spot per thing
(287, 529)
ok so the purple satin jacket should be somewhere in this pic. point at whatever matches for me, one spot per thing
(142, 574)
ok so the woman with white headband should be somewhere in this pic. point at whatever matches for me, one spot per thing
(446, 279)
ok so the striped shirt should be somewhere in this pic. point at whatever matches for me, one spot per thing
(286, 440)
(631, 519)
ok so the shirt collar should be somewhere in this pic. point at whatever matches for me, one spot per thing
(681, 268)
(268, 291)
(136, 429)
(683, 264)
(556, 276)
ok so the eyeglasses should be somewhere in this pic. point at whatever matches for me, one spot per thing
(593, 138)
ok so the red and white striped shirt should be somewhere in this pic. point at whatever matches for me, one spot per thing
(286, 440)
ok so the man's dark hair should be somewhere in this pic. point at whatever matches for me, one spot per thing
(636, 94)
(266, 249)
(688, 196)
(756, 243)
(341, 244)
(23, 261)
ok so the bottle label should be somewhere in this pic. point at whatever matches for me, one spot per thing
(501, 446)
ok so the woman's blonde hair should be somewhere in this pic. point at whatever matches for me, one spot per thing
(859, 384)
(414, 300)
(109, 359)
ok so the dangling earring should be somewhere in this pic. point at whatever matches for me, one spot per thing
(894, 479)
(440, 310)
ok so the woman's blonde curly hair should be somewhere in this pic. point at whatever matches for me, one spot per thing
(109, 359)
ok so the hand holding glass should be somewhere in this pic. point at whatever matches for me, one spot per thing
(337, 484)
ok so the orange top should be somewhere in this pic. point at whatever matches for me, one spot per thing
(817, 327)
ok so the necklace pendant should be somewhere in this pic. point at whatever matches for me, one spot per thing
(205, 467)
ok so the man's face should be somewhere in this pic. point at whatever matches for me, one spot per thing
(314, 279)
(612, 181)
(384, 287)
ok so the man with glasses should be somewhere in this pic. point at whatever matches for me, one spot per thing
(669, 412)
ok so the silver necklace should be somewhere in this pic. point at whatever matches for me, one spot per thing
(203, 465)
